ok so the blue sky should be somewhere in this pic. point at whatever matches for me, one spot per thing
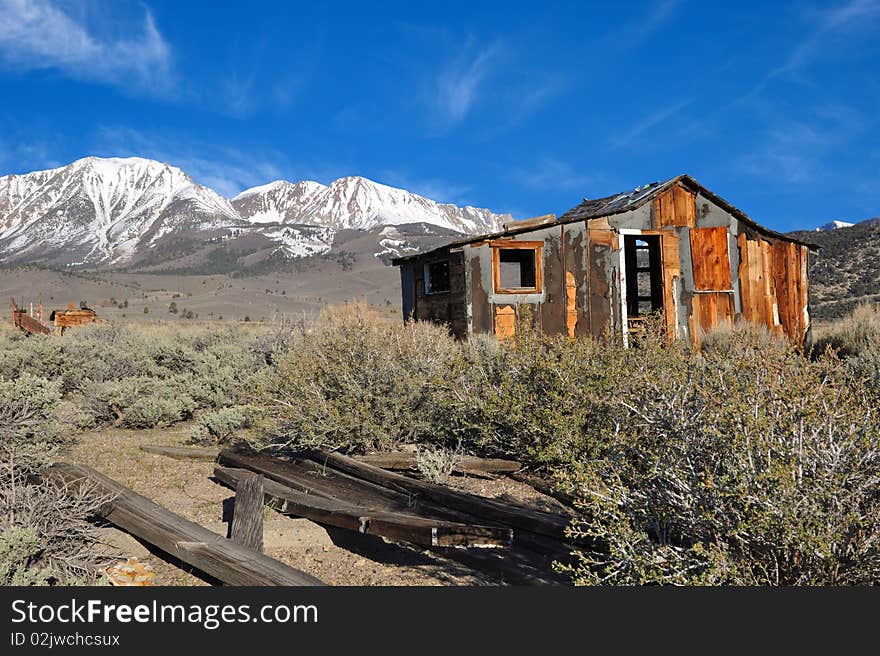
(522, 109)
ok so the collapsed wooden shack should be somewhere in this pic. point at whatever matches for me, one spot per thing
(59, 320)
(672, 248)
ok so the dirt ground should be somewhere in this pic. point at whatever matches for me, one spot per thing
(337, 557)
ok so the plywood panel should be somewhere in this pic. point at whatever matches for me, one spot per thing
(710, 259)
(505, 321)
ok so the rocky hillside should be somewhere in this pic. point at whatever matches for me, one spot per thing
(846, 271)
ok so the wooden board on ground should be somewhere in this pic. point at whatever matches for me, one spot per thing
(183, 452)
(187, 541)
(395, 526)
(517, 517)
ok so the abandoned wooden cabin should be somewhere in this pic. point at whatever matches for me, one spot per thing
(673, 248)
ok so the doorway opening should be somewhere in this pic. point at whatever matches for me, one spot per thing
(644, 276)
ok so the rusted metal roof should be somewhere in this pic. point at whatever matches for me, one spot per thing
(615, 204)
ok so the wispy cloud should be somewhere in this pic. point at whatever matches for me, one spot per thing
(492, 77)
(853, 14)
(795, 151)
(649, 122)
(457, 88)
(645, 25)
(835, 23)
(39, 34)
(554, 174)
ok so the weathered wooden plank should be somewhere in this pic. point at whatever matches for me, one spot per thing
(685, 207)
(247, 518)
(671, 274)
(523, 518)
(710, 258)
(195, 545)
(182, 452)
(463, 464)
(396, 526)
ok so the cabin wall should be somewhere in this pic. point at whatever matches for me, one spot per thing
(444, 307)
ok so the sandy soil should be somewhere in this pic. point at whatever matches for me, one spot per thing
(335, 556)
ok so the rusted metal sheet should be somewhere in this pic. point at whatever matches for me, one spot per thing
(710, 259)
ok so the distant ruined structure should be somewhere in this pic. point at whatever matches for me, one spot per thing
(59, 320)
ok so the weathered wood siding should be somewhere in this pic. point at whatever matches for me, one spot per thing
(449, 307)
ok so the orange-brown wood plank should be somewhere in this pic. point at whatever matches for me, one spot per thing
(710, 259)
(671, 273)
(505, 321)
(571, 310)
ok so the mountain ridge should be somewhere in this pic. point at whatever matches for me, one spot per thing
(116, 211)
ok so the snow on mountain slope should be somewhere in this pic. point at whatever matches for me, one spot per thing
(834, 225)
(114, 211)
(103, 210)
(359, 204)
(276, 202)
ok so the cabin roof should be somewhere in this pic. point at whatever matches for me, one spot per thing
(610, 205)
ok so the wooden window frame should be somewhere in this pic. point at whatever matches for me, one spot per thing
(536, 246)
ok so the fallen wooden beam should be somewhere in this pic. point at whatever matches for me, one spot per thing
(527, 561)
(463, 465)
(396, 526)
(518, 517)
(187, 541)
(183, 452)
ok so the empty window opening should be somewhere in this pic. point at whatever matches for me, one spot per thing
(644, 278)
(437, 277)
(517, 268)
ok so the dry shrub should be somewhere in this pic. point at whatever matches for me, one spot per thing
(140, 376)
(45, 533)
(745, 463)
(355, 381)
(751, 465)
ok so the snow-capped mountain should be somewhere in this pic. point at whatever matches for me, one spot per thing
(104, 210)
(115, 211)
(834, 225)
(355, 203)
